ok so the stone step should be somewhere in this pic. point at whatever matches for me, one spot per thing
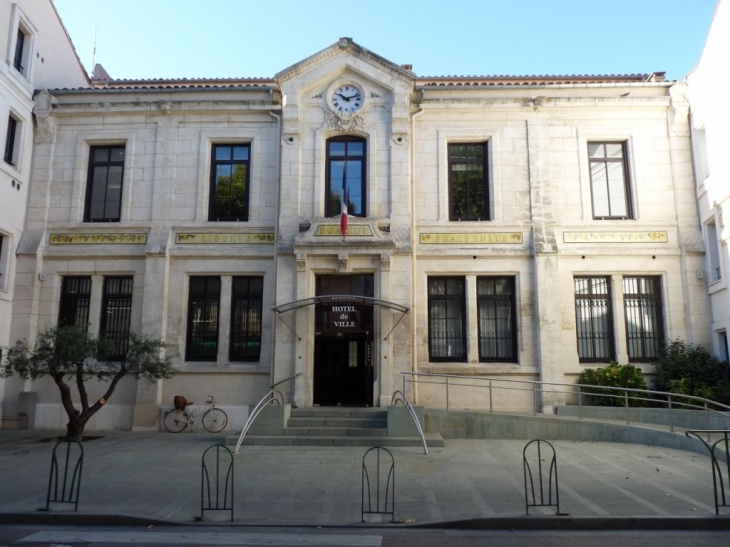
(433, 440)
(325, 421)
(336, 431)
(338, 412)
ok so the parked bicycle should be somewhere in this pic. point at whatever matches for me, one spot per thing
(176, 420)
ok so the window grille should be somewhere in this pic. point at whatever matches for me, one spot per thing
(446, 319)
(116, 314)
(497, 328)
(246, 326)
(594, 319)
(644, 320)
(75, 300)
(203, 305)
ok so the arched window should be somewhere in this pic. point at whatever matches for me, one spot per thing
(346, 158)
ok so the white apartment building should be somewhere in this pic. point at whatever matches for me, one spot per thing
(36, 53)
(520, 227)
(710, 123)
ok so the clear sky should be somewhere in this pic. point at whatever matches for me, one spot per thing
(258, 38)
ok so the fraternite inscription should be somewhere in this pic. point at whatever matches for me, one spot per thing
(97, 239)
(615, 237)
(493, 238)
(193, 238)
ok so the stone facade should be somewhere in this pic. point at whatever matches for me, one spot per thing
(538, 228)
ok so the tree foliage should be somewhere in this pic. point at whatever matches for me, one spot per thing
(69, 354)
(614, 375)
(691, 370)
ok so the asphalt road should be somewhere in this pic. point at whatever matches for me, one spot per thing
(37, 536)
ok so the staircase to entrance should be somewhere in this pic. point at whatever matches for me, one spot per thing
(334, 426)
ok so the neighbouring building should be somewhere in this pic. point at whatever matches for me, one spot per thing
(710, 122)
(36, 54)
(519, 227)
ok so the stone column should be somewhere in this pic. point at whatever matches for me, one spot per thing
(546, 262)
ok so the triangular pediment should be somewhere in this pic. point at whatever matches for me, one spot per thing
(345, 47)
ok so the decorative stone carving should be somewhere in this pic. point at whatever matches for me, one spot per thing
(343, 262)
(385, 262)
(346, 122)
(301, 262)
(45, 129)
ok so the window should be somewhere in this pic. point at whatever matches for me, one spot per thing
(3, 260)
(10, 138)
(497, 327)
(203, 303)
(19, 56)
(75, 300)
(644, 320)
(468, 190)
(246, 304)
(229, 182)
(594, 319)
(713, 252)
(609, 180)
(345, 175)
(104, 189)
(446, 319)
(116, 314)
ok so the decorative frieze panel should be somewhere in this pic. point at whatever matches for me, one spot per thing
(615, 237)
(97, 239)
(200, 238)
(514, 238)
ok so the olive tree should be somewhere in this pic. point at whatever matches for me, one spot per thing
(69, 354)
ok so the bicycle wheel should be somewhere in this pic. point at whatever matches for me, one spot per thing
(175, 420)
(215, 420)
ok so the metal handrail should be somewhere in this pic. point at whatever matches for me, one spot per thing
(399, 396)
(269, 398)
(272, 386)
(537, 386)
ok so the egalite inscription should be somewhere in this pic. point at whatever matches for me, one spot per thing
(98, 239)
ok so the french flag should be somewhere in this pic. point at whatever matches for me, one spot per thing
(343, 210)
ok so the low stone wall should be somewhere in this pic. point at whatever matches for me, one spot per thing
(462, 424)
(685, 419)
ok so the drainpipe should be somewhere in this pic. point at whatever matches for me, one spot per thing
(276, 237)
(414, 351)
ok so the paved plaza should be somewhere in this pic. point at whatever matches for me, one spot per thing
(158, 476)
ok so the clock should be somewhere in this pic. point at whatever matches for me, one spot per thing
(346, 99)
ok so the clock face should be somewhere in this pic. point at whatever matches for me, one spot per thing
(347, 99)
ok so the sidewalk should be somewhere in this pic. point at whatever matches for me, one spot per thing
(157, 476)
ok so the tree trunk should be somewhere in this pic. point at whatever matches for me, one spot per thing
(75, 428)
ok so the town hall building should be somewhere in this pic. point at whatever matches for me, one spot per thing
(516, 227)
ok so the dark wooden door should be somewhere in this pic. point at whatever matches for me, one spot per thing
(343, 370)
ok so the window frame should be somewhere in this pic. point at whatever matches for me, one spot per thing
(207, 298)
(249, 299)
(11, 141)
(330, 210)
(90, 181)
(461, 299)
(69, 301)
(609, 332)
(494, 299)
(451, 161)
(644, 337)
(214, 164)
(714, 251)
(605, 160)
(120, 338)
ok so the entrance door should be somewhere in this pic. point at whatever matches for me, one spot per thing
(343, 370)
(343, 342)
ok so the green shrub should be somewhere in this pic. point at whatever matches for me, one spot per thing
(614, 375)
(691, 370)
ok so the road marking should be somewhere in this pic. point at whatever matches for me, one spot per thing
(207, 538)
